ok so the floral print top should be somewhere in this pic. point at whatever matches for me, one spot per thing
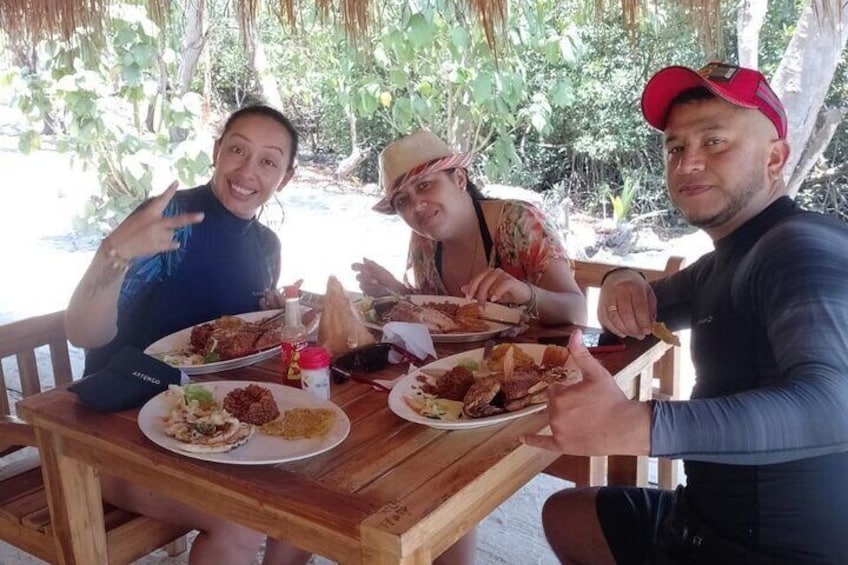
(524, 243)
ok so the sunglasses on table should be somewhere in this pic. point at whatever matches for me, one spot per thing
(367, 359)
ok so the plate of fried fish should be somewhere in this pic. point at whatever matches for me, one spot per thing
(450, 319)
(466, 391)
(225, 343)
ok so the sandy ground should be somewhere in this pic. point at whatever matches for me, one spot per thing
(326, 228)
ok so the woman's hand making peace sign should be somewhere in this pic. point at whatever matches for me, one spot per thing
(146, 231)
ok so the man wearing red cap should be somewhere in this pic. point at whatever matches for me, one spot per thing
(765, 437)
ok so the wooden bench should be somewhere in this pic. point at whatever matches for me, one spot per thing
(596, 471)
(24, 513)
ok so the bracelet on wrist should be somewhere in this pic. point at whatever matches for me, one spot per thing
(532, 303)
(618, 269)
(116, 261)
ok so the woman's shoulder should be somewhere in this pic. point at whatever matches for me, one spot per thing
(512, 207)
(511, 211)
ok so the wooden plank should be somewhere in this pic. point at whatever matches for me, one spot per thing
(21, 484)
(265, 498)
(116, 517)
(425, 465)
(28, 369)
(439, 510)
(75, 503)
(4, 398)
(139, 536)
(31, 333)
(367, 464)
(24, 505)
(667, 370)
(15, 434)
(29, 540)
(39, 521)
(61, 360)
(582, 471)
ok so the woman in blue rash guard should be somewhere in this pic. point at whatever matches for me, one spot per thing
(180, 259)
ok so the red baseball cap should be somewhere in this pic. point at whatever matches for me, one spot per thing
(738, 85)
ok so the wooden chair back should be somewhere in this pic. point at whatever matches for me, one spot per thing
(665, 377)
(24, 510)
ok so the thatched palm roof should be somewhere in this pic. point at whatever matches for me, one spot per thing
(28, 20)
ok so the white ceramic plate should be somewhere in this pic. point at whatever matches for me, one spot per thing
(179, 341)
(409, 386)
(260, 449)
(495, 328)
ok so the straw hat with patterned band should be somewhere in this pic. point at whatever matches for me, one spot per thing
(409, 158)
(738, 85)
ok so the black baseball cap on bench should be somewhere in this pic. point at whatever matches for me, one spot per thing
(129, 380)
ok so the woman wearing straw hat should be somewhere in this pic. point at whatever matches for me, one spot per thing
(464, 244)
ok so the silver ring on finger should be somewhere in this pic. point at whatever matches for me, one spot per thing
(612, 308)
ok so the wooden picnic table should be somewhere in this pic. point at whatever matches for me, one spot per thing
(392, 492)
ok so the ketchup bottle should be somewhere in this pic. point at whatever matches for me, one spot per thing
(294, 335)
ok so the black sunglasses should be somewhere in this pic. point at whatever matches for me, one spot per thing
(367, 359)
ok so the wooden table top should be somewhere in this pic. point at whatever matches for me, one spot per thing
(393, 491)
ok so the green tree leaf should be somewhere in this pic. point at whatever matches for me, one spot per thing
(562, 94)
(419, 30)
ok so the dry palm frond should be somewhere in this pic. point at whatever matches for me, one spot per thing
(30, 20)
(23, 20)
(705, 18)
(492, 15)
(27, 21)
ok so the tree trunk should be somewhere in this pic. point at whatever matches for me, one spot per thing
(154, 108)
(831, 118)
(347, 166)
(259, 63)
(749, 19)
(804, 75)
(194, 38)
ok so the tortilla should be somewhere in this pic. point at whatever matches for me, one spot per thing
(340, 328)
(200, 425)
(661, 332)
(220, 445)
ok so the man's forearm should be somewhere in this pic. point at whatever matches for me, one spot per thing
(763, 426)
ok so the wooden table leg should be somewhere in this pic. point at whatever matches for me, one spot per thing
(376, 553)
(76, 506)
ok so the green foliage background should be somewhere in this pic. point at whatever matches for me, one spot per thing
(557, 110)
